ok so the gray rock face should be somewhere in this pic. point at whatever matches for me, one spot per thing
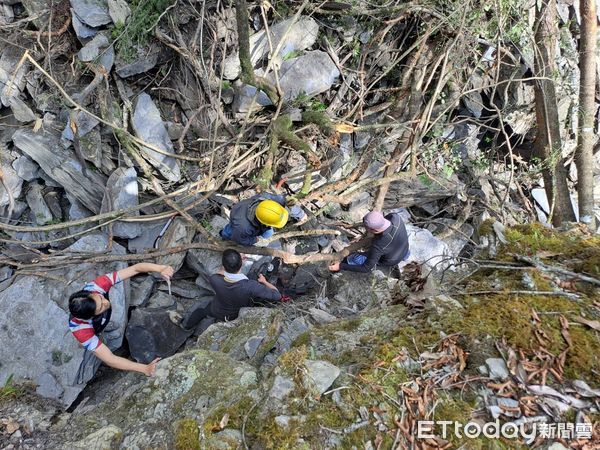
(178, 233)
(144, 63)
(260, 326)
(98, 47)
(102, 439)
(282, 387)
(61, 165)
(141, 290)
(360, 290)
(497, 368)
(81, 29)
(309, 74)
(457, 241)
(85, 123)
(11, 83)
(161, 300)
(296, 37)
(26, 168)
(12, 181)
(425, 248)
(150, 128)
(121, 193)
(204, 263)
(145, 241)
(320, 375)
(21, 111)
(150, 334)
(118, 10)
(192, 385)
(91, 12)
(50, 355)
(182, 288)
(91, 50)
(294, 329)
(321, 316)
(41, 213)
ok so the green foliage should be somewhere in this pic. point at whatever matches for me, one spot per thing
(290, 55)
(139, 28)
(187, 436)
(305, 102)
(9, 390)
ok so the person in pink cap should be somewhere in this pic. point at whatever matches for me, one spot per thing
(389, 247)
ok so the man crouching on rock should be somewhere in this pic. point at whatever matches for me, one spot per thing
(233, 291)
(90, 313)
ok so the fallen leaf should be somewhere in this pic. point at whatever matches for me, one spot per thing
(224, 421)
(564, 323)
(547, 254)
(590, 323)
(344, 128)
(11, 425)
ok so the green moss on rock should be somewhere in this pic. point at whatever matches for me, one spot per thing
(187, 435)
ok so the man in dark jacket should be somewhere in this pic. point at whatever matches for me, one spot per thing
(253, 219)
(389, 247)
(233, 291)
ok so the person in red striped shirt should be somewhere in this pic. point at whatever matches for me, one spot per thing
(90, 313)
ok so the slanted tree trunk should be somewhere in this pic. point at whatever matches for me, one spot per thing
(548, 144)
(584, 156)
(247, 75)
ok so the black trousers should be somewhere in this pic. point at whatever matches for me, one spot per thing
(198, 312)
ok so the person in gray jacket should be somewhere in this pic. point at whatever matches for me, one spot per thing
(389, 247)
(253, 219)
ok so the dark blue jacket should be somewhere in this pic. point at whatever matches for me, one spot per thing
(245, 227)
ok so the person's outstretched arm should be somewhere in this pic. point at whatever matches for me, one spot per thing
(112, 360)
(264, 292)
(165, 271)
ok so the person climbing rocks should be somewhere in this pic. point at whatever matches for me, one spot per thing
(389, 246)
(90, 311)
(233, 291)
(252, 220)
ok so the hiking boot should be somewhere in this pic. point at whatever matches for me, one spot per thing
(176, 318)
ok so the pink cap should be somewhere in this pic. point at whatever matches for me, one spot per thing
(376, 222)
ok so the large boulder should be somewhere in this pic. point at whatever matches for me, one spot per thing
(359, 291)
(248, 338)
(62, 166)
(122, 193)
(309, 74)
(150, 334)
(93, 13)
(179, 232)
(150, 128)
(428, 250)
(145, 412)
(12, 76)
(296, 36)
(11, 181)
(34, 328)
(204, 263)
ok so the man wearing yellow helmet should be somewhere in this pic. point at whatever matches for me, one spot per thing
(255, 218)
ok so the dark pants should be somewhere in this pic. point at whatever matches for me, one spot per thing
(198, 312)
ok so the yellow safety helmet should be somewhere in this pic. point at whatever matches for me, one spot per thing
(272, 214)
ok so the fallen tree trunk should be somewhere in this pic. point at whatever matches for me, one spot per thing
(407, 193)
(59, 262)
